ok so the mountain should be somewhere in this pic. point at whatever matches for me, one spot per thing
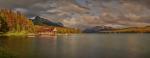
(41, 21)
(98, 29)
(102, 29)
(15, 23)
(145, 29)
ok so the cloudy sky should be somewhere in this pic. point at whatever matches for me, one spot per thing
(83, 13)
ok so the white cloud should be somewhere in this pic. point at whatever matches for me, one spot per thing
(22, 10)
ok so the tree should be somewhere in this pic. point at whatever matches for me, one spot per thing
(3, 25)
(16, 21)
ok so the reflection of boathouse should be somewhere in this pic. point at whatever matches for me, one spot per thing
(47, 31)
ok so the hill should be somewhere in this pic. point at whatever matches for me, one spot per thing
(145, 29)
(107, 29)
(61, 30)
(98, 29)
(13, 21)
(41, 21)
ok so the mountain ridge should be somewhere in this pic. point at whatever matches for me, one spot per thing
(42, 21)
(107, 29)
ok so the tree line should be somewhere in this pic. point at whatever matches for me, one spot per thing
(14, 21)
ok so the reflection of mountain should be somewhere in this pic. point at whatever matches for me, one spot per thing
(41, 21)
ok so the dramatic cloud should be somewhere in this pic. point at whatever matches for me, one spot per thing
(22, 10)
(85, 13)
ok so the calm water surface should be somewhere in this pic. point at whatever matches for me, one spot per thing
(77, 46)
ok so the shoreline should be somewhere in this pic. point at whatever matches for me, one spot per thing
(34, 34)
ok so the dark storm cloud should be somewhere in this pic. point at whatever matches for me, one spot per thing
(79, 13)
(141, 2)
(23, 4)
(39, 7)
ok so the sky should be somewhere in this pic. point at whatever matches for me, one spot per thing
(86, 13)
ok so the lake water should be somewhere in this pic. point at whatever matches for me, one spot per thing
(113, 45)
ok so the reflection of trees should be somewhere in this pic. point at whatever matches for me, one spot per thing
(5, 52)
(24, 47)
(18, 46)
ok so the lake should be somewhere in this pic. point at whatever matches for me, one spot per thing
(105, 45)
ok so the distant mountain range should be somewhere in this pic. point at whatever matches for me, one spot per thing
(105, 29)
(42, 21)
(98, 29)
(145, 29)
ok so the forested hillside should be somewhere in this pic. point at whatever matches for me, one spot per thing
(61, 30)
(14, 21)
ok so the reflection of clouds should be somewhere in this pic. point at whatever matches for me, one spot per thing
(134, 45)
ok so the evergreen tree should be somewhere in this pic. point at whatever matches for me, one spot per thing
(3, 25)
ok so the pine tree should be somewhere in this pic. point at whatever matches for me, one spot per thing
(16, 21)
(3, 25)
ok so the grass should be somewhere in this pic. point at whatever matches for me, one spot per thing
(22, 33)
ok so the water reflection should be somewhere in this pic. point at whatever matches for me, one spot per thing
(77, 46)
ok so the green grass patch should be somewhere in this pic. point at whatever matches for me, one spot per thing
(22, 33)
